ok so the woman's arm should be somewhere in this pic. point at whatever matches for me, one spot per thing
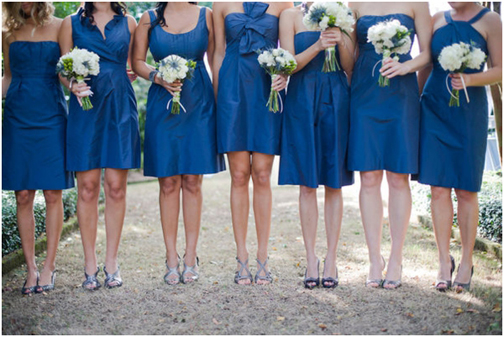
(423, 28)
(211, 42)
(219, 42)
(132, 25)
(493, 30)
(6, 79)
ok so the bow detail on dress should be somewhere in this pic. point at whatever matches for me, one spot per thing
(253, 32)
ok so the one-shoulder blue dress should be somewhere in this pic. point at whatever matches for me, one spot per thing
(184, 143)
(244, 122)
(316, 123)
(384, 122)
(453, 139)
(34, 121)
(107, 136)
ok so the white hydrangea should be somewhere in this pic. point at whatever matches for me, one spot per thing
(84, 63)
(458, 56)
(277, 61)
(173, 68)
(321, 13)
(383, 34)
(266, 59)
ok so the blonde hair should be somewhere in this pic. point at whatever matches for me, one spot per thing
(15, 17)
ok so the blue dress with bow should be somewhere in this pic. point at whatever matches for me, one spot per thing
(453, 139)
(244, 122)
(184, 143)
(107, 136)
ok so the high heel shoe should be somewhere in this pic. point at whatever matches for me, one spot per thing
(112, 280)
(30, 290)
(190, 270)
(378, 282)
(447, 283)
(267, 275)
(172, 271)
(47, 287)
(459, 287)
(91, 282)
(312, 282)
(332, 282)
(243, 268)
(395, 284)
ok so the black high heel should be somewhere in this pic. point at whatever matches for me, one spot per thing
(395, 284)
(447, 283)
(47, 287)
(112, 280)
(379, 282)
(312, 282)
(30, 290)
(91, 283)
(333, 282)
(459, 287)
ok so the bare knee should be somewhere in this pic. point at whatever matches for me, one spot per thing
(261, 177)
(240, 178)
(115, 191)
(440, 193)
(24, 198)
(466, 196)
(89, 191)
(398, 181)
(191, 183)
(169, 185)
(371, 179)
(306, 192)
(52, 197)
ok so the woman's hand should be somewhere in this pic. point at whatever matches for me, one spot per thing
(392, 68)
(80, 90)
(279, 83)
(172, 88)
(456, 80)
(329, 38)
(131, 75)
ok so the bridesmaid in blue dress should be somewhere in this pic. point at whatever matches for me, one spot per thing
(179, 149)
(105, 137)
(315, 134)
(246, 130)
(33, 135)
(453, 139)
(384, 131)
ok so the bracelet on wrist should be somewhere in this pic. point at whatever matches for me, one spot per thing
(152, 75)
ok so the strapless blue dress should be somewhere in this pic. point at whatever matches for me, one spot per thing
(316, 124)
(34, 120)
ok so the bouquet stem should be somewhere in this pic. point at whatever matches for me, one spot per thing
(382, 80)
(330, 62)
(454, 99)
(86, 102)
(175, 109)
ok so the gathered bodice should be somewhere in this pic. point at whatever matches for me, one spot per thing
(252, 30)
(190, 45)
(367, 21)
(34, 59)
(113, 49)
(456, 32)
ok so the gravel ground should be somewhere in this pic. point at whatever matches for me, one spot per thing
(215, 305)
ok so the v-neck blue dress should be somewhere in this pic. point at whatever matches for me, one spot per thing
(453, 139)
(244, 122)
(34, 121)
(107, 136)
(184, 143)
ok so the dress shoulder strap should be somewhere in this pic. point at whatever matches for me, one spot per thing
(152, 15)
(447, 16)
(479, 15)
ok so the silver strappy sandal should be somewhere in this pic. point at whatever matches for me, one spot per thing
(190, 270)
(112, 280)
(172, 271)
(262, 267)
(243, 269)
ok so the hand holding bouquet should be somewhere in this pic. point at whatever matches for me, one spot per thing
(276, 62)
(77, 65)
(174, 68)
(323, 15)
(389, 37)
(456, 58)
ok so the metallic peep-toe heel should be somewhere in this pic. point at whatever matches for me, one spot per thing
(172, 271)
(91, 283)
(112, 280)
(190, 270)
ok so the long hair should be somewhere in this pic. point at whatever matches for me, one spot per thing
(14, 16)
(119, 8)
(160, 19)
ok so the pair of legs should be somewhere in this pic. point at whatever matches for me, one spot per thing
(371, 207)
(26, 225)
(169, 204)
(88, 183)
(243, 165)
(333, 214)
(442, 218)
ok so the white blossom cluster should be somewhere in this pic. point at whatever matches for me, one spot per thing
(389, 37)
(458, 56)
(277, 58)
(79, 62)
(173, 67)
(323, 15)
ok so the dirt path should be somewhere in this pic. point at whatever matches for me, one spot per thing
(215, 305)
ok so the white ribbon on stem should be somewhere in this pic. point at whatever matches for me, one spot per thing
(88, 92)
(463, 84)
(279, 96)
(168, 105)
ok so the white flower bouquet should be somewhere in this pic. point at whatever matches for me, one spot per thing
(323, 15)
(389, 37)
(456, 58)
(77, 65)
(276, 62)
(175, 68)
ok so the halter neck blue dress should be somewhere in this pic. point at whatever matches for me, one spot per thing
(384, 122)
(244, 122)
(34, 121)
(453, 139)
(184, 143)
(316, 123)
(106, 136)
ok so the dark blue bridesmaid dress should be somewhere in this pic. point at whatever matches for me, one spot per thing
(244, 122)
(34, 121)
(384, 122)
(106, 136)
(316, 123)
(453, 139)
(184, 143)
